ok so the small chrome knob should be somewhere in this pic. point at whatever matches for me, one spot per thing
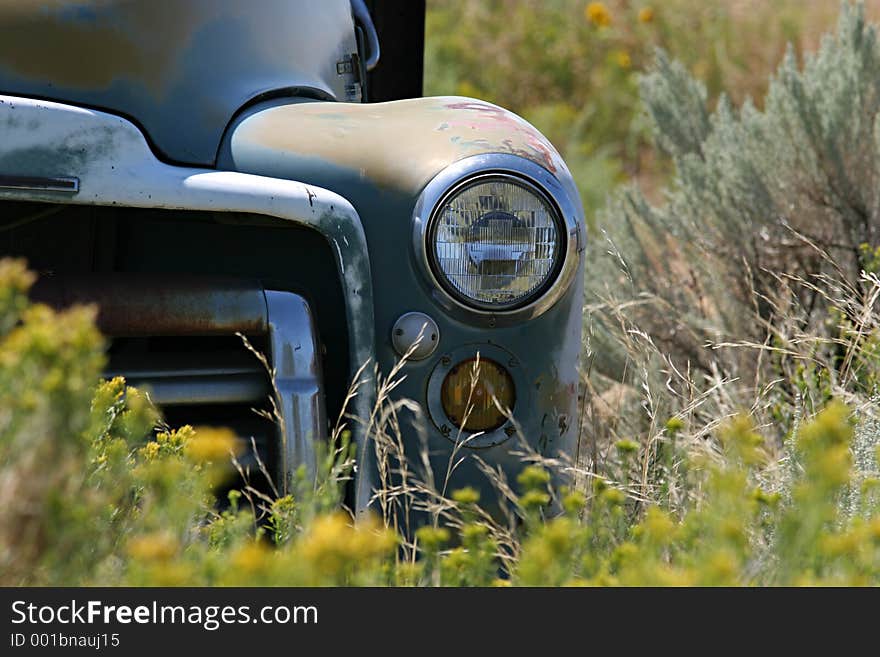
(412, 327)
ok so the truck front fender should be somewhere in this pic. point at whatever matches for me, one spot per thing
(396, 146)
(382, 158)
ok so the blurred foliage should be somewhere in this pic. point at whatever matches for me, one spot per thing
(763, 203)
(572, 68)
(112, 497)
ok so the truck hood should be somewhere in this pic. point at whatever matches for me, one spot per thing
(396, 146)
(181, 70)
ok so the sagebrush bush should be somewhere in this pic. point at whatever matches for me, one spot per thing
(752, 288)
(791, 188)
(571, 66)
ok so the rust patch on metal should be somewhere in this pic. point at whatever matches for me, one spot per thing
(556, 398)
(532, 144)
(142, 305)
(99, 49)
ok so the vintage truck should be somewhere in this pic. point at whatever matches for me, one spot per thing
(202, 169)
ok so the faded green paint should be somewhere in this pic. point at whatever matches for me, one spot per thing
(398, 145)
(181, 69)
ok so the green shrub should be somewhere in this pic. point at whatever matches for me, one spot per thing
(790, 190)
(571, 66)
(111, 496)
(749, 291)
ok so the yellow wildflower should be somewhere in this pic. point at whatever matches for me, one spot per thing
(157, 546)
(472, 534)
(626, 446)
(613, 496)
(657, 526)
(624, 555)
(151, 450)
(574, 502)
(532, 477)
(846, 544)
(212, 445)
(250, 558)
(598, 14)
(671, 576)
(466, 495)
(333, 546)
(576, 582)
(432, 538)
(625, 62)
(674, 425)
(646, 15)
(559, 535)
(722, 567)
(534, 499)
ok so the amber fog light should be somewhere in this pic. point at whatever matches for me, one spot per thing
(469, 392)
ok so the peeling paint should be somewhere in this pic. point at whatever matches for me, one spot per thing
(398, 145)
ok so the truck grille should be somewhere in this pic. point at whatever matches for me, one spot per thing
(180, 338)
(156, 274)
(193, 376)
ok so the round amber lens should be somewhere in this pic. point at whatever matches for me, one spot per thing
(469, 392)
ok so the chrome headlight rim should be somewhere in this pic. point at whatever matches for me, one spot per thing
(547, 186)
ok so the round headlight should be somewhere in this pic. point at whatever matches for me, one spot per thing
(495, 242)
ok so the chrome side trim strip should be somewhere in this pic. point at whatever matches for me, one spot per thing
(62, 184)
(203, 389)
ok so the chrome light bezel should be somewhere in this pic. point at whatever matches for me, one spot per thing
(480, 439)
(525, 173)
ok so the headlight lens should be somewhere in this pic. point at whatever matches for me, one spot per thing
(495, 242)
